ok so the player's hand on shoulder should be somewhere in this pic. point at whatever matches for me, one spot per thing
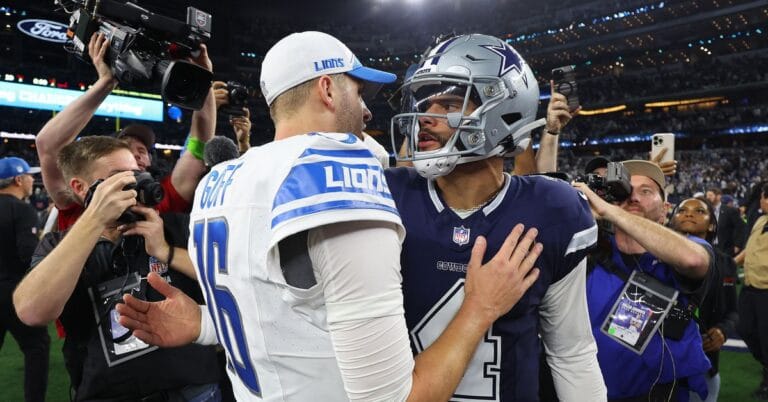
(495, 287)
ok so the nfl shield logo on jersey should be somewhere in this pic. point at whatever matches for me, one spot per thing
(157, 267)
(461, 235)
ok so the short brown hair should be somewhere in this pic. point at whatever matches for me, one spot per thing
(287, 103)
(76, 158)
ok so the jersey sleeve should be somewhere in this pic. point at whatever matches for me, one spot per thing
(332, 181)
(568, 342)
(574, 231)
(357, 266)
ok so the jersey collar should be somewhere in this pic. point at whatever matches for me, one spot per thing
(490, 207)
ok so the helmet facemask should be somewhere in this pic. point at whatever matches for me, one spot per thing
(468, 141)
(481, 71)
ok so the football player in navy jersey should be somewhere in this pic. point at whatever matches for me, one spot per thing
(471, 102)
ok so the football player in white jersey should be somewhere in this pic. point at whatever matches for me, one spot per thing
(297, 246)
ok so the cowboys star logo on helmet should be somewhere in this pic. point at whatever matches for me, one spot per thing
(493, 105)
(510, 60)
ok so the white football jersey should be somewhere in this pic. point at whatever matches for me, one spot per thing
(276, 336)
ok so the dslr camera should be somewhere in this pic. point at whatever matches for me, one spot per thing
(145, 48)
(149, 193)
(238, 99)
(614, 187)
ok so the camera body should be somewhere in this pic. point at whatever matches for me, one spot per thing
(238, 99)
(614, 187)
(145, 48)
(149, 193)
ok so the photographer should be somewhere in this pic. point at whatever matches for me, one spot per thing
(240, 122)
(62, 129)
(79, 275)
(642, 250)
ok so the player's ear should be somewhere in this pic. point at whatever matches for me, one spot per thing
(325, 88)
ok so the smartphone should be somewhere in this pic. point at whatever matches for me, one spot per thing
(565, 83)
(661, 141)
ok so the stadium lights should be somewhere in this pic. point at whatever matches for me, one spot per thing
(683, 102)
(604, 110)
(753, 129)
(22, 136)
(18, 136)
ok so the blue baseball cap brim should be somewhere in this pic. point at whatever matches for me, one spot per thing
(371, 74)
(372, 78)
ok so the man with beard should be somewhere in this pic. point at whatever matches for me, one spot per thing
(644, 249)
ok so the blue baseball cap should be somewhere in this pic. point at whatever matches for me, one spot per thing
(300, 57)
(12, 166)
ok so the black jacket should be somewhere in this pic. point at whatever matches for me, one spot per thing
(18, 224)
(731, 230)
(84, 354)
(718, 309)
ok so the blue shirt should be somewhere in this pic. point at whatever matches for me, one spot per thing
(626, 373)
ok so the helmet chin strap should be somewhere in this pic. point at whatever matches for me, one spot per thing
(522, 144)
(437, 166)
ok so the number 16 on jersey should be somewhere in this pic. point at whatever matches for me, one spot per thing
(211, 241)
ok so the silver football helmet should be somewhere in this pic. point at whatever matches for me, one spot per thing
(480, 69)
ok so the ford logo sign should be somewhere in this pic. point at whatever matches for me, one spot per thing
(50, 31)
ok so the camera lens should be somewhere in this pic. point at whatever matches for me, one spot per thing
(185, 84)
(148, 191)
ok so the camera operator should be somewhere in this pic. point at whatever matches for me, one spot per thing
(79, 275)
(241, 123)
(642, 250)
(62, 129)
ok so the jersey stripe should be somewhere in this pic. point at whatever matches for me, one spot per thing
(583, 239)
(331, 205)
(338, 153)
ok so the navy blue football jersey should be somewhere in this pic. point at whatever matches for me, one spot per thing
(434, 259)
